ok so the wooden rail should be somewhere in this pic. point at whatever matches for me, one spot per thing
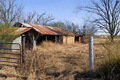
(9, 56)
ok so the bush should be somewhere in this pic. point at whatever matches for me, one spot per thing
(56, 61)
(110, 67)
(42, 63)
(110, 70)
(7, 35)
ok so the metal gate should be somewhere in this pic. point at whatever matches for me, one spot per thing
(10, 54)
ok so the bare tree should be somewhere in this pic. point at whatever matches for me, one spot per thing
(67, 25)
(35, 18)
(72, 27)
(9, 12)
(47, 19)
(108, 12)
(29, 18)
(88, 29)
(58, 24)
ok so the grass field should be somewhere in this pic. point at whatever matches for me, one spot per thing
(52, 61)
(56, 61)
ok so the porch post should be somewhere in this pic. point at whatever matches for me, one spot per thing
(55, 38)
(34, 43)
(46, 38)
(22, 47)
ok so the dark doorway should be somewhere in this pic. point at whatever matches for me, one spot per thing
(52, 38)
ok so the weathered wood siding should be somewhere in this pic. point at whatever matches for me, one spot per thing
(68, 39)
(17, 40)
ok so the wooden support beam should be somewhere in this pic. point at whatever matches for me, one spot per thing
(22, 47)
(66, 39)
(55, 38)
(34, 42)
(46, 38)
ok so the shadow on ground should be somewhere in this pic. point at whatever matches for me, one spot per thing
(86, 75)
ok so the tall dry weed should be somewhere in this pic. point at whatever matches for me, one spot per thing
(54, 61)
(110, 67)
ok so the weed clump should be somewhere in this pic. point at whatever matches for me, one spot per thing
(53, 61)
(110, 67)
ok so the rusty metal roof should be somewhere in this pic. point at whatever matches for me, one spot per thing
(45, 30)
(60, 31)
(21, 30)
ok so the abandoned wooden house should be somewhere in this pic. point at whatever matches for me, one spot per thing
(80, 38)
(31, 35)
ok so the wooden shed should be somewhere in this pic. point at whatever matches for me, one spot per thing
(80, 38)
(33, 34)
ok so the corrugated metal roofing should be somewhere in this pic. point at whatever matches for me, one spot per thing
(46, 30)
(61, 31)
(22, 30)
(43, 29)
(27, 25)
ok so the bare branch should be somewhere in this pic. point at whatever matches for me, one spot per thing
(35, 18)
(9, 12)
(108, 12)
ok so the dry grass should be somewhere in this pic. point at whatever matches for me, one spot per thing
(56, 61)
(109, 69)
(52, 61)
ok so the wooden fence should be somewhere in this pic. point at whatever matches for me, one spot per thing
(10, 54)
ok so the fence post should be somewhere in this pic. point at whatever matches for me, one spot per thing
(91, 57)
(23, 46)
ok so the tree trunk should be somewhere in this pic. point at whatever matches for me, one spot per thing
(34, 43)
(112, 38)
